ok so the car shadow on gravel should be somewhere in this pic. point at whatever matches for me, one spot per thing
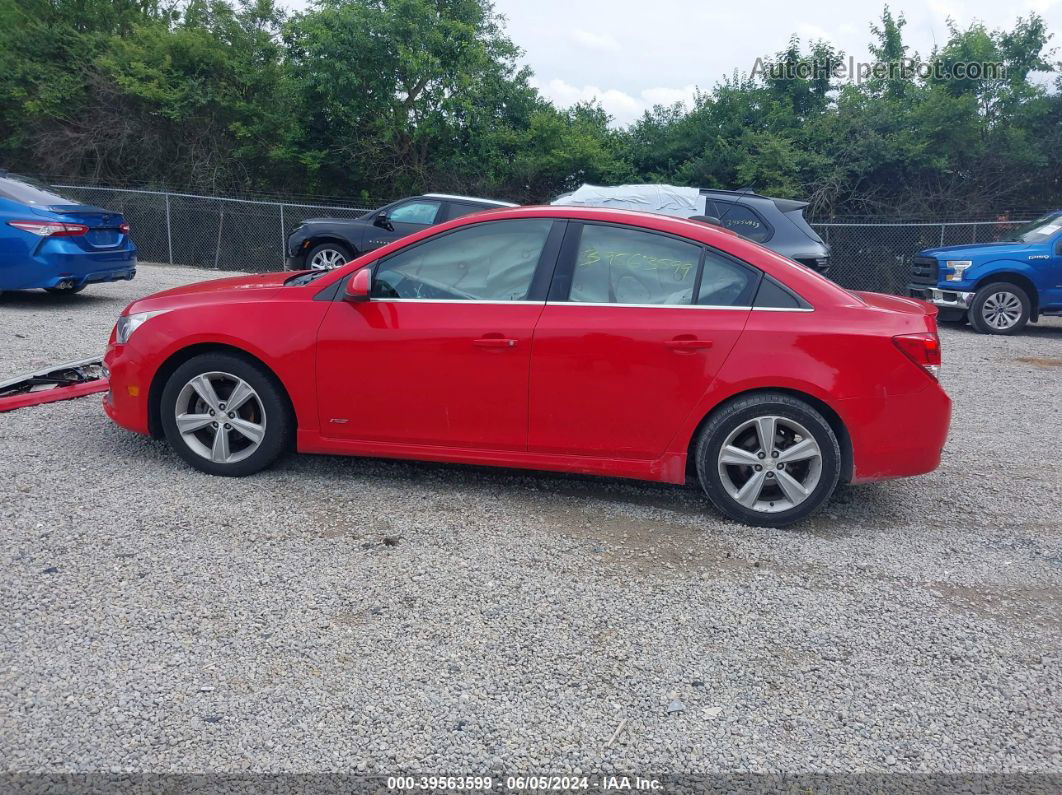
(34, 300)
(655, 516)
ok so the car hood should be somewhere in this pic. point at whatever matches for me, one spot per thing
(211, 290)
(972, 251)
(335, 220)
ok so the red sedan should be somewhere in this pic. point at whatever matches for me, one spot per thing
(558, 338)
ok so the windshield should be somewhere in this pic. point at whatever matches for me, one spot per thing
(28, 191)
(1040, 229)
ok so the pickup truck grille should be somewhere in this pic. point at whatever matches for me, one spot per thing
(924, 270)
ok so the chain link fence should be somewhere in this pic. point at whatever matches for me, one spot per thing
(208, 231)
(877, 256)
(249, 234)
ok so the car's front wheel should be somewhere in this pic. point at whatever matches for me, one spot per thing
(1000, 308)
(768, 459)
(326, 256)
(226, 415)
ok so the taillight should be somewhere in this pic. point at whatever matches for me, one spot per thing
(49, 228)
(922, 349)
(123, 228)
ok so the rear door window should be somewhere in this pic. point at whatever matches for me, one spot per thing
(725, 282)
(617, 265)
(458, 209)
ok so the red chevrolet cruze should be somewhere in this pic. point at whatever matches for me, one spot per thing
(561, 338)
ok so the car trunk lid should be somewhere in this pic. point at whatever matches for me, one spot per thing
(894, 303)
(104, 226)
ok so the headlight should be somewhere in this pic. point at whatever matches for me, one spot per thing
(958, 267)
(127, 324)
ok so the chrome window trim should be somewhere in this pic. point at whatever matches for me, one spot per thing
(580, 303)
(452, 301)
(684, 306)
(647, 306)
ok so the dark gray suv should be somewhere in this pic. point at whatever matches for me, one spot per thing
(778, 224)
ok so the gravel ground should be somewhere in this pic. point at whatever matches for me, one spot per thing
(343, 614)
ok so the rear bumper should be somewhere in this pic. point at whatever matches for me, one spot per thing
(946, 299)
(896, 436)
(74, 270)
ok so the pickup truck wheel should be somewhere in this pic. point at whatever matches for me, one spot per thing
(769, 459)
(326, 256)
(1000, 308)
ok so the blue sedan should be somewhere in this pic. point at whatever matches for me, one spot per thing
(55, 243)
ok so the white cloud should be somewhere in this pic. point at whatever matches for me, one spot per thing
(604, 42)
(623, 107)
(809, 33)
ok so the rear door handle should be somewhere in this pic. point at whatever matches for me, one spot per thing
(681, 344)
(494, 342)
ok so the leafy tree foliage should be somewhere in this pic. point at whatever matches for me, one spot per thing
(387, 97)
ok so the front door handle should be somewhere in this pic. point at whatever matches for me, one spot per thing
(687, 344)
(494, 342)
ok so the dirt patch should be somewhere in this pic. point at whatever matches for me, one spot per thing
(1040, 361)
(1040, 606)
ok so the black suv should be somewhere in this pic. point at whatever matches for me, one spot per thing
(325, 243)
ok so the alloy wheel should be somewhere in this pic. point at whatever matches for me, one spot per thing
(1002, 310)
(220, 417)
(326, 259)
(770, 464)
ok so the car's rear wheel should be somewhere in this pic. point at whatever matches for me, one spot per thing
(1000, 308)
(768, 459)
(226, 415)
(326, 256)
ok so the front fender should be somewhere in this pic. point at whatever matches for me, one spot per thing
(978, 275)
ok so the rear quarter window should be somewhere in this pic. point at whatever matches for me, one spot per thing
(743, 220)
(772, 295)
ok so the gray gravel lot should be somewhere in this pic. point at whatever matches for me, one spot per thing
(343, 614)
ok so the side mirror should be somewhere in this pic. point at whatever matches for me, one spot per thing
(384, 221)
(359, 286)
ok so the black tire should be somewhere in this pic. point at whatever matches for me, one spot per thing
(278, 420)
(952, 316)
(345, 254)
(65, 290)
(991, 295)
(733, 416)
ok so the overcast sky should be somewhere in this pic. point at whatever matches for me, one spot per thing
(632, 54)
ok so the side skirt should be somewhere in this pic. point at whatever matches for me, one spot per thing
(670, 468)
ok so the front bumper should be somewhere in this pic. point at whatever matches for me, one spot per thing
(946, 299)
(295, 263)
(126, 403)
